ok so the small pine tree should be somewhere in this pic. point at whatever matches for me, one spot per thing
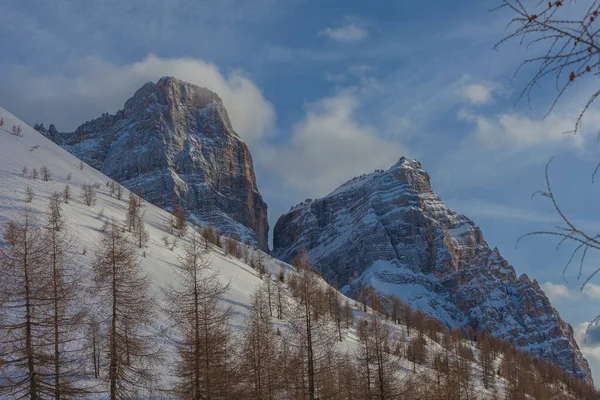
(81, 165)
(180, 220)
(16, 130)
(29, 194)
(88, 194)
(218, 238)
(232, 247)
(34, 174)
(141, 233)
(133, 212)
(209, 235)
(67, 193)
(24, 171)
(46, 174)
(55, 219)
(140, 194)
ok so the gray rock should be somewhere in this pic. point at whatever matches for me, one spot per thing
(388, 230)
(174, 140)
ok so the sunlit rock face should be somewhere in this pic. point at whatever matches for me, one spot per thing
(390, 231)
(174, 140)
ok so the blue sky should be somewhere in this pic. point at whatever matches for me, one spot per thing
(326, 90)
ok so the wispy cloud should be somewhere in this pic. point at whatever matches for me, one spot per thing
(350, 31)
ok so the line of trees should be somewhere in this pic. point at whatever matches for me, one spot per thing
(63, 335)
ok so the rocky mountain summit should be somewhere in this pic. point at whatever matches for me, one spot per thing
(388, 230)
(174, 140)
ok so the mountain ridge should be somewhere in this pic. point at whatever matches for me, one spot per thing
(390, 231)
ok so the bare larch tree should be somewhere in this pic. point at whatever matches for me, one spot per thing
(126, 306)
(202, 336)
(66, 315)
(259, 350)
(24, 283)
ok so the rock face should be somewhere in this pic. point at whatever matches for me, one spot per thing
(389, 231)
(174, 140)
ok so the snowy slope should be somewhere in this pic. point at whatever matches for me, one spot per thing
(34, 150)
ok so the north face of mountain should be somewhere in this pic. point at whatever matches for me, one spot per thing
(174, 141)
(388, 230)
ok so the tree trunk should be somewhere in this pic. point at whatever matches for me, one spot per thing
(113, 329)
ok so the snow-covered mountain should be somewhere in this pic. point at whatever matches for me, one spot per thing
(174, 140)
(84, 223)
(388, 230)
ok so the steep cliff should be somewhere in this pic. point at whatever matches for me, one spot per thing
(174, 140)
(388, 230)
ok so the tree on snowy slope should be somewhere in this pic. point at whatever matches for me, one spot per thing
(378, 365)
(203, 365)
(23, 289)
(133, 212)
(312, 334)
(39, 321)
(126, 306)
(66, 315)
(259, 351)
(180, 219)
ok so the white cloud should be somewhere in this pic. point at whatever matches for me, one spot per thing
(478, 93)
(93, 86)
(592, 291)
(559, 291)
(555, 291)
(475, 207)
(329, 146)
(518, 131)
(349, 32)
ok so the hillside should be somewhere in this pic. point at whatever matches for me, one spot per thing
(344, 368)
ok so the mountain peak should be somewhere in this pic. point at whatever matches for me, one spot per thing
(408, 170)
(389, 231)
(174, 140)
(407, 162)
(172, 92)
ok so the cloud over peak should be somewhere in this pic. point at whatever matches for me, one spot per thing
(94, 86)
